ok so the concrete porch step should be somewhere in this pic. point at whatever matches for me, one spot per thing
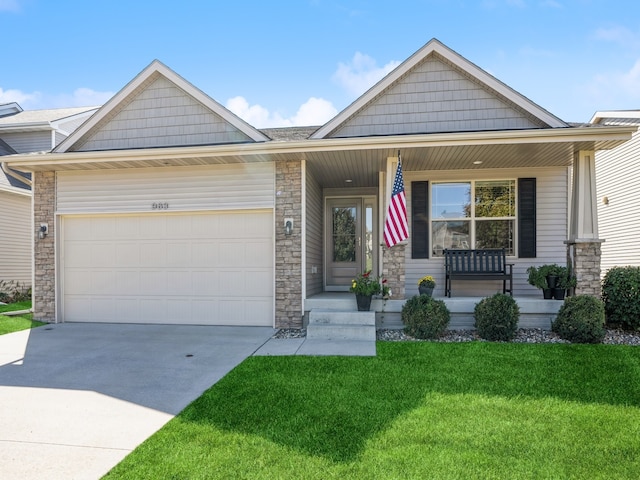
(339, 325)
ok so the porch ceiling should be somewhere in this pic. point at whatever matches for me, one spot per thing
(332, 161)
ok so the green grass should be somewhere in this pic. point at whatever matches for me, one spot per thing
(15, 307)
(19, 322)
(417, 410)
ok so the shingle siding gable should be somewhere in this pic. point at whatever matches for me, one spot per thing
(435, 97)
(161, 115)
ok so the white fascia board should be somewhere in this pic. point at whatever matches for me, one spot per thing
(162, 69)
(511, 137)
(27, 127)
(601, 115)
(435, 45)
(17, 190)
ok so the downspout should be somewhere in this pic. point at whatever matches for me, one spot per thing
(11, 173)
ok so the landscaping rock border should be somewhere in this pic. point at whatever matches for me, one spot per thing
(523, 335)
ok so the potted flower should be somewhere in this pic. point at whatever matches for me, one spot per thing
(366, 286)
(426, 285)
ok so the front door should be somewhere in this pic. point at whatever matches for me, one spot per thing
(350, 240)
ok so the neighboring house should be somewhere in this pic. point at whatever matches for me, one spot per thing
(24, 132)
(164, 207)
(617, 180)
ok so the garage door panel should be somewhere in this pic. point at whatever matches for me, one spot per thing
(204, 254)
(202, 268)
(127, 254)
(179, 254)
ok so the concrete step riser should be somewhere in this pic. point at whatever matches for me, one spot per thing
(341, 332)
(341, 318)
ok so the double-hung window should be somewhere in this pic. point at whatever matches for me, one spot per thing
(473, 214)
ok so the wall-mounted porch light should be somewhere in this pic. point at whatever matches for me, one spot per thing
(44, 230)
(288, 226)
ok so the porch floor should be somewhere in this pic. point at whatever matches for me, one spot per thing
(534, 311)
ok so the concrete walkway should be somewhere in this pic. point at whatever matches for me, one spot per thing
(75, 399)
(305, 346)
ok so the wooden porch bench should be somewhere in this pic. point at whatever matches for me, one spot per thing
(488, 264)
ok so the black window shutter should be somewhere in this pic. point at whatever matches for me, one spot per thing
(419, 219)
(526, 217)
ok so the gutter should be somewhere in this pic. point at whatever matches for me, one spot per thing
(11, 173)
(498, 137)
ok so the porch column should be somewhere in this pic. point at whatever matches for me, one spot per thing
(288, 248)
(393, 269)
(583, 247)
(44, 292)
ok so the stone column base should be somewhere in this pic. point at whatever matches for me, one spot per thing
(393, 269)
(583, 257)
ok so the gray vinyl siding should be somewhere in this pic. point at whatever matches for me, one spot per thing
(73, 123)
(314, 243)
(15, 238)
(435, 97)
(617, 178)
(551, 224)
(26, 142)
(219, 187)
(162, 115)
(59, 137)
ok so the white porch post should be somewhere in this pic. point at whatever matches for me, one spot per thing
(583, 246)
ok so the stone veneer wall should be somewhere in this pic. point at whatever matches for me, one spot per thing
(393, 269)
(584, 258)
(44, 292)
(288, 247)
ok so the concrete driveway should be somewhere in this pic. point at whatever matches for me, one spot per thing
(75, 399)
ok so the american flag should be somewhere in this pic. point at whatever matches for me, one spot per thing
(395, 226)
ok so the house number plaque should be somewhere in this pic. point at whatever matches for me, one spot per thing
(160, 206)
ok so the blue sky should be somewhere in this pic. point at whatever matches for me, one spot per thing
(299, 62)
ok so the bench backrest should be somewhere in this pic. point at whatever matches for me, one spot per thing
(475, 261)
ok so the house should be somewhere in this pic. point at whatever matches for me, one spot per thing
(24, 132)
(617, 180)
(164, 207)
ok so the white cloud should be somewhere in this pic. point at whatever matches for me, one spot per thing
(615, 90)
(23, 98)
(9, 6)
(620, 35)
(315, 111)
(81, 97)
(361, 73)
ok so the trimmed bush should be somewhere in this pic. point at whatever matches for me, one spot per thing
(497, 317)
(621, 296)
(580, 320)
(424, 317)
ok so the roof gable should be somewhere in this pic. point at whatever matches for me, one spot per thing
(437, 90)
(158, 108)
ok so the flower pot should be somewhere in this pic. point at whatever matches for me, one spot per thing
(547, 293)
(364, 302)
(424, 290)
(558, 293)
(552, 281)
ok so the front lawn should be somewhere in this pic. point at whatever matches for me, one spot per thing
(18, 322)
(418, 410)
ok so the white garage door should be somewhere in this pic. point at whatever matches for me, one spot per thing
(203, 269)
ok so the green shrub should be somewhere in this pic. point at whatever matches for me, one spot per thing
(497, 317)
(13, 292)
(621, 296)
(580, 320)
(424, 317)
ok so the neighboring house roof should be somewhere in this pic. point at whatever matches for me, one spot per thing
(27, 120)
(615, 117)
(188, 117)
(9, 109)
(289, 134)
(458, 71)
